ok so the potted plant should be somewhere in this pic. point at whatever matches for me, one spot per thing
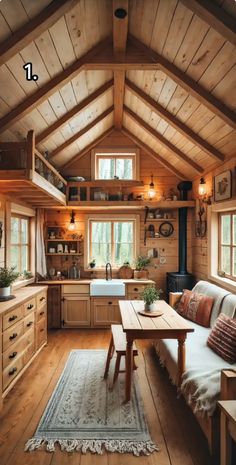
(92, 264)
(140, 271)
(7, 277)
(150, 295)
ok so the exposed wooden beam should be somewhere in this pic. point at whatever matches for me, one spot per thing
(120, 33)
(48, 89)
(48, 132)
(174, 122)
(87, 149)
(215, 16)
(80, 133)
(36, 26)
(153, 154)
(163, 141)
(185, 81)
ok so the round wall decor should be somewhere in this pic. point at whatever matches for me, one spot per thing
(166, 229)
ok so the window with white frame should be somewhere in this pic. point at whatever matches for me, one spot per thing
(227, 244)
(20, 243)
(112, 240)
(120, 164)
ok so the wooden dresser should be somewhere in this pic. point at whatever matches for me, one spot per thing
(23, 326)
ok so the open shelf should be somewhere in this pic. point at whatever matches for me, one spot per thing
(66, 254)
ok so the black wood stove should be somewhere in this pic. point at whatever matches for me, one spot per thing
(177, 281)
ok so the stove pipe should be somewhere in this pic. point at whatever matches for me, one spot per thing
(183, 187)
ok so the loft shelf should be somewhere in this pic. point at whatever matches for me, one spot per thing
(66, 254)
(132, 204)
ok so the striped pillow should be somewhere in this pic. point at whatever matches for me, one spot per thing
(196, 307)
(222, 338)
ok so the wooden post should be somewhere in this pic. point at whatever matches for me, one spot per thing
(129, 369)
(30, 152)
(181, 358)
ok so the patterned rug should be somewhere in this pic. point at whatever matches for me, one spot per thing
(83, 414)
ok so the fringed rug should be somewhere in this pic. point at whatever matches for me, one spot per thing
(83, 414)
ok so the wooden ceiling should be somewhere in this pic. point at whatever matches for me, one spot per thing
(164, 75)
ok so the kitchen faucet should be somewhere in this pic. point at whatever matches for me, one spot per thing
(108, 265)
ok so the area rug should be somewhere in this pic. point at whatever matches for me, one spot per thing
(83, 414)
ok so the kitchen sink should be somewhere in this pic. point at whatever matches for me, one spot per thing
(112, 287)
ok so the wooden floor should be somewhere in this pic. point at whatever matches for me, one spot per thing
(171, 423)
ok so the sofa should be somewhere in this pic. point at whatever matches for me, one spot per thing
(206, 373)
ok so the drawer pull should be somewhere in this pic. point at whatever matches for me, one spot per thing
(30, 306)
(109, 303)
(135, 289)
(12, 371)
(41, 330)
(12, 318)
(41, 299)
(13, 355)
(41, 313)
(29, 324)
(13, 336)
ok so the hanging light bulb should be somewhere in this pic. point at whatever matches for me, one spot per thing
(202, 187)
(71, 226)
(151, 190)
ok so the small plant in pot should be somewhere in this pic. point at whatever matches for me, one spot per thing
(140, 271)
(150, 295)
(7, 277)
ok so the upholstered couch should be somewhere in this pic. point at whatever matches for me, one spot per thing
(202, 380)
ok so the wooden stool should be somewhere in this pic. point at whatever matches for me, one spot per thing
(118, 345)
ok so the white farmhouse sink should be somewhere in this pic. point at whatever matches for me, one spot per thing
(112, 287)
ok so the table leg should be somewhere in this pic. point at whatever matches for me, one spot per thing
(128, 369)
(181, 358)
(225, 442)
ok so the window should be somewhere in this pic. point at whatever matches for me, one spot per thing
(111, 241)
(227, 244)
(122, 164)
(19, 249)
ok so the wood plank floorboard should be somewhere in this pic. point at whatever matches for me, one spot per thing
(171, 423)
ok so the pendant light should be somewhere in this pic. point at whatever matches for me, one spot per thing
(71, 226)
(151, 190)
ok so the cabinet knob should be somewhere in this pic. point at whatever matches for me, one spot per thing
(30, 306)
(41, 299)
(41, 313)
(13, 336)
(109, 303)
(12, 371)
(13, 355)
(29, 324)
(41, 330)
(135, 289)
(12, 318)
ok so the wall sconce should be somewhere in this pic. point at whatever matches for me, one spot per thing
(202, 187)
(151, 190)
(71, 226)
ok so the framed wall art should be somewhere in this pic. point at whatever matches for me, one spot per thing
(223, 186)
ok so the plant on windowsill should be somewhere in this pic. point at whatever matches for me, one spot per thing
(150, 295)
(140, 271)
(7, 277)
(92, 264)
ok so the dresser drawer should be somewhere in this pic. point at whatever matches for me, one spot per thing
(135, 288)
(12, 317)
(134, 296)
(41, 299)
(12, 371)
(29, 322)
(13, 353)
(41, 332)
(76, 289)
(11, 335)
(29, 306)
(41, 313)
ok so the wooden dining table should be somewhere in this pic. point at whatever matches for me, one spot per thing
(170, 325)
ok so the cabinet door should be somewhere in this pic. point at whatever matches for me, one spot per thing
(105, 312)
(54, 307)
(75, 311)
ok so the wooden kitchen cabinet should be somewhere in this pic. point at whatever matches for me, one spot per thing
(75, 311)
(105, 311)
(54, 307)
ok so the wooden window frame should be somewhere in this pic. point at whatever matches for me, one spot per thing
(231, 246)
(20, 244)
(111, 219)
(115, 152)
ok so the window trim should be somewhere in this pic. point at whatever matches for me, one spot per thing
(134, 151)
(231, 245)
(113, 217)
(20, 245)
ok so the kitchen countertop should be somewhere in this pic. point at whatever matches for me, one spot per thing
(21, 295)
(88, 281)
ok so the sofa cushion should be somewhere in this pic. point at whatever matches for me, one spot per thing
(196, 307)
(206, 288)
(228, 306)
(222, 338)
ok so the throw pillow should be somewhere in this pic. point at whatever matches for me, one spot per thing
(196, 307)
(222, 338)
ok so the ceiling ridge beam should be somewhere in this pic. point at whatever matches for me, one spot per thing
(174, 121)
(87, 148)
(187, 83)
(32, 101)
(215, 16)
(80, 133)
(36, 26)
(163, 141)
(152, 153)
(49, 131)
